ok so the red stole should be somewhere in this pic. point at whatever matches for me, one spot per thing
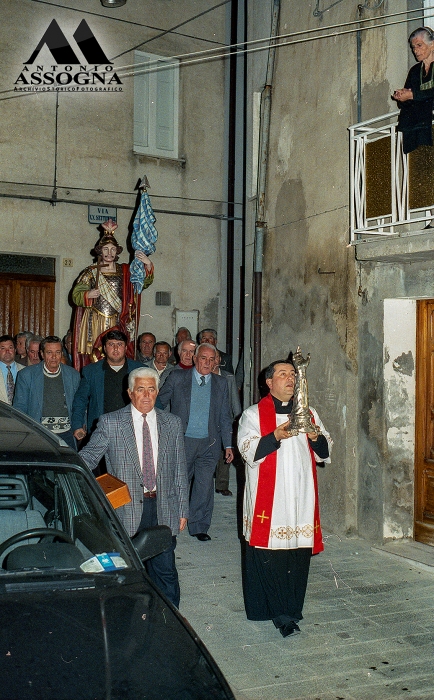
(261, 522)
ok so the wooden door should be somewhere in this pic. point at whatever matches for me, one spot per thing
(26, 304)
(424, 424)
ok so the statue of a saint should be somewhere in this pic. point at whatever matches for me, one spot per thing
(300, 417)
(104, 298)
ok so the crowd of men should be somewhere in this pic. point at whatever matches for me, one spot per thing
(164, 425)
(39, 380)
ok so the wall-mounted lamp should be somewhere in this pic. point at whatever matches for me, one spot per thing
(113, 3)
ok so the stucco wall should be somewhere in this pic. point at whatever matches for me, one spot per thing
(309, 275)
(387, 337)
(315, 293)
(399, 398)
(95, 152)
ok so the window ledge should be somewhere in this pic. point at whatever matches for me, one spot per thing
(148, 156)
(411, 247)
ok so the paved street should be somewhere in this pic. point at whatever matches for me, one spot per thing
(367, 632)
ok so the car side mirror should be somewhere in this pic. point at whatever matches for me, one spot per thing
(152, 541)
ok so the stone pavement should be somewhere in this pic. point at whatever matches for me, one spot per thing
(367, 632)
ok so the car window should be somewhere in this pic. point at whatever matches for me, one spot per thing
(50, 518)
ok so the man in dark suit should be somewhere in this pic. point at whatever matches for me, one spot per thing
(45, 392)
(222, 469)
(145, 345)
(103, 386)
(209, 335)
(144, 447)
(9, 368)
(160, 362)
(200, 399)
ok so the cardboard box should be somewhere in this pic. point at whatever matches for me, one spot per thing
(116, 490)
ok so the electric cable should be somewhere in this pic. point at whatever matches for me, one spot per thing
(253, 42)
(121, 192)
(240, 52)
(203, 56)
(169, 31)
(124, 21)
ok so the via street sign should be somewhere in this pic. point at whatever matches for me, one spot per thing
(97, 215)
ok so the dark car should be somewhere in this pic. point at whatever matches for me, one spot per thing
(79, 618)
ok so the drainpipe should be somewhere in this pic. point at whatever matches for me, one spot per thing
(231, 180)
(261, 224)
(359, 67)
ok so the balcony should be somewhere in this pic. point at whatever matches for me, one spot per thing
(392, 194)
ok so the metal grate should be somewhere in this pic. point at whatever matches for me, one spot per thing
(163, 299)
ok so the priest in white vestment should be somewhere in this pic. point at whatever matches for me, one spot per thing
(280, 512)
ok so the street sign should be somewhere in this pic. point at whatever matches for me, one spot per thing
(97, 215)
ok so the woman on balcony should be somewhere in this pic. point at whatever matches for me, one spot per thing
(416, 98)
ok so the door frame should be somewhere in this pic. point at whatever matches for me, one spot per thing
(14, 324)
(423, 531)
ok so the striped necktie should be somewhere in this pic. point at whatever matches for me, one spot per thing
(202, 380)
(148, 458)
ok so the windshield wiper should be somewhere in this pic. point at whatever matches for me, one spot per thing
(50, 585)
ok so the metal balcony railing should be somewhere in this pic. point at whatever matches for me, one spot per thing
(391, 193)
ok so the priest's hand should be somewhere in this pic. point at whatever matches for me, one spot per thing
(281, 432)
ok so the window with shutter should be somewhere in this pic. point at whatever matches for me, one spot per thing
(156, 95)
(428, 15)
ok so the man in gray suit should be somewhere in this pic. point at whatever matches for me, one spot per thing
(144, 447)
(200, 399)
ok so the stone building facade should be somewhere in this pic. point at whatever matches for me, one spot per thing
(68, 141)
(351, 303)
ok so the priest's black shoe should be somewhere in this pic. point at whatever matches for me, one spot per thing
(291, 628)
(224, 492)
(202, 537)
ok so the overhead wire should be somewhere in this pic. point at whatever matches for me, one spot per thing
(251, 46)
(61, 200)
(112, 18)
(203, 56)
(209, 54)
(266, 40)
(173, 29)
(101, 190)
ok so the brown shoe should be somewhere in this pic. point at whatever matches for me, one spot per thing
(224, 492)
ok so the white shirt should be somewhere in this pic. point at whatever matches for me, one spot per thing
(160, 371)
(151, 418)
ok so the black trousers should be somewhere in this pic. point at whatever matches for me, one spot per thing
(162, 568)
(275, 582)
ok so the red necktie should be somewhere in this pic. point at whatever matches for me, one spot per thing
(148, 458)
